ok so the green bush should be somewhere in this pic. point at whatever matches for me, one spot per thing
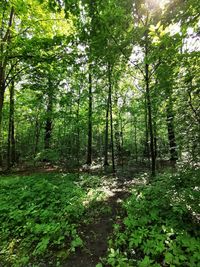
(162, 224)
(49, 155)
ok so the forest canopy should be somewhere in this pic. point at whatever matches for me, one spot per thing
(98, 81)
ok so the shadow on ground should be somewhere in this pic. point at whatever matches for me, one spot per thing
(96, 234)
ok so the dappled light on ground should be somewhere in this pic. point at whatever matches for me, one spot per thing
(59, 219)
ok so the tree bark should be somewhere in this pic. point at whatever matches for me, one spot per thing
(149, 108)
(155, 140)
(89, 149)
(4, 46)
(37, 135)
(111, 118)
(48, 124)
(106, 132)
(146, 149)
(2, 91)
(122, 141)
(135, 134)
(171, 132)
(78, 129)
(11, 155)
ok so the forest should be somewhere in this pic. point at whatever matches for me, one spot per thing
(99, 133)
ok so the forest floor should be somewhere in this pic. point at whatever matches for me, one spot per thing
(54, 218)
(96, 227)
(106, 213)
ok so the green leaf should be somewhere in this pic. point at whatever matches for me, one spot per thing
(145, 262)
(42, 246)
(169, 257)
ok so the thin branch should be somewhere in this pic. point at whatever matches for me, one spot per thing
(12, 67)
(13, 77)
(192, 108)
(5, 38)
(155, 68)
(21, 32)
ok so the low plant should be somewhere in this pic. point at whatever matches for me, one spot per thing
(162, 224)
(39, 218)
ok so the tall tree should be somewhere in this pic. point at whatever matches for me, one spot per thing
(5, 40)
(11, 153)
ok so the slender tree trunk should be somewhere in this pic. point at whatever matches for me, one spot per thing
(4, 47)
(37, 135)
(89, 149)
(118, 142)
(2, 90)
(149, 108)
(111, 118)
(78, 129)
(106, 132)
(171, 132)
(147, 149)
(48, 124)
(11, 131)
(136, 149)
(155, 140)
(122, 141)
(48, 132)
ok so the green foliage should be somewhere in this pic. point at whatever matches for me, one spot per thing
(39, 218)
(162, 224)
(49, 155)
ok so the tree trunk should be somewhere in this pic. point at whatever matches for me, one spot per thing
(48, 132)
(4, 47)
(153, 160)
(111, 118)
(171, 132)
(37, 135)
(106, 132)
(146, 149)
(89, 150)
(48, 124)
(122, 141)
(2, 90)
(78, 129)
(135, 134)
(11, 131)
(155, 140)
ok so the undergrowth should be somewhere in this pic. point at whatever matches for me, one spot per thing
(162, 224)
(39, 217)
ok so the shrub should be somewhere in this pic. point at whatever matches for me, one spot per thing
(39, 216)
(162, 224)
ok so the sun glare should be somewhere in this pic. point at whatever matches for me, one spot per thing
(156, 3)
(162, 3)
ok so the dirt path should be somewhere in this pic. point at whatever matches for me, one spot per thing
(95, 235)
